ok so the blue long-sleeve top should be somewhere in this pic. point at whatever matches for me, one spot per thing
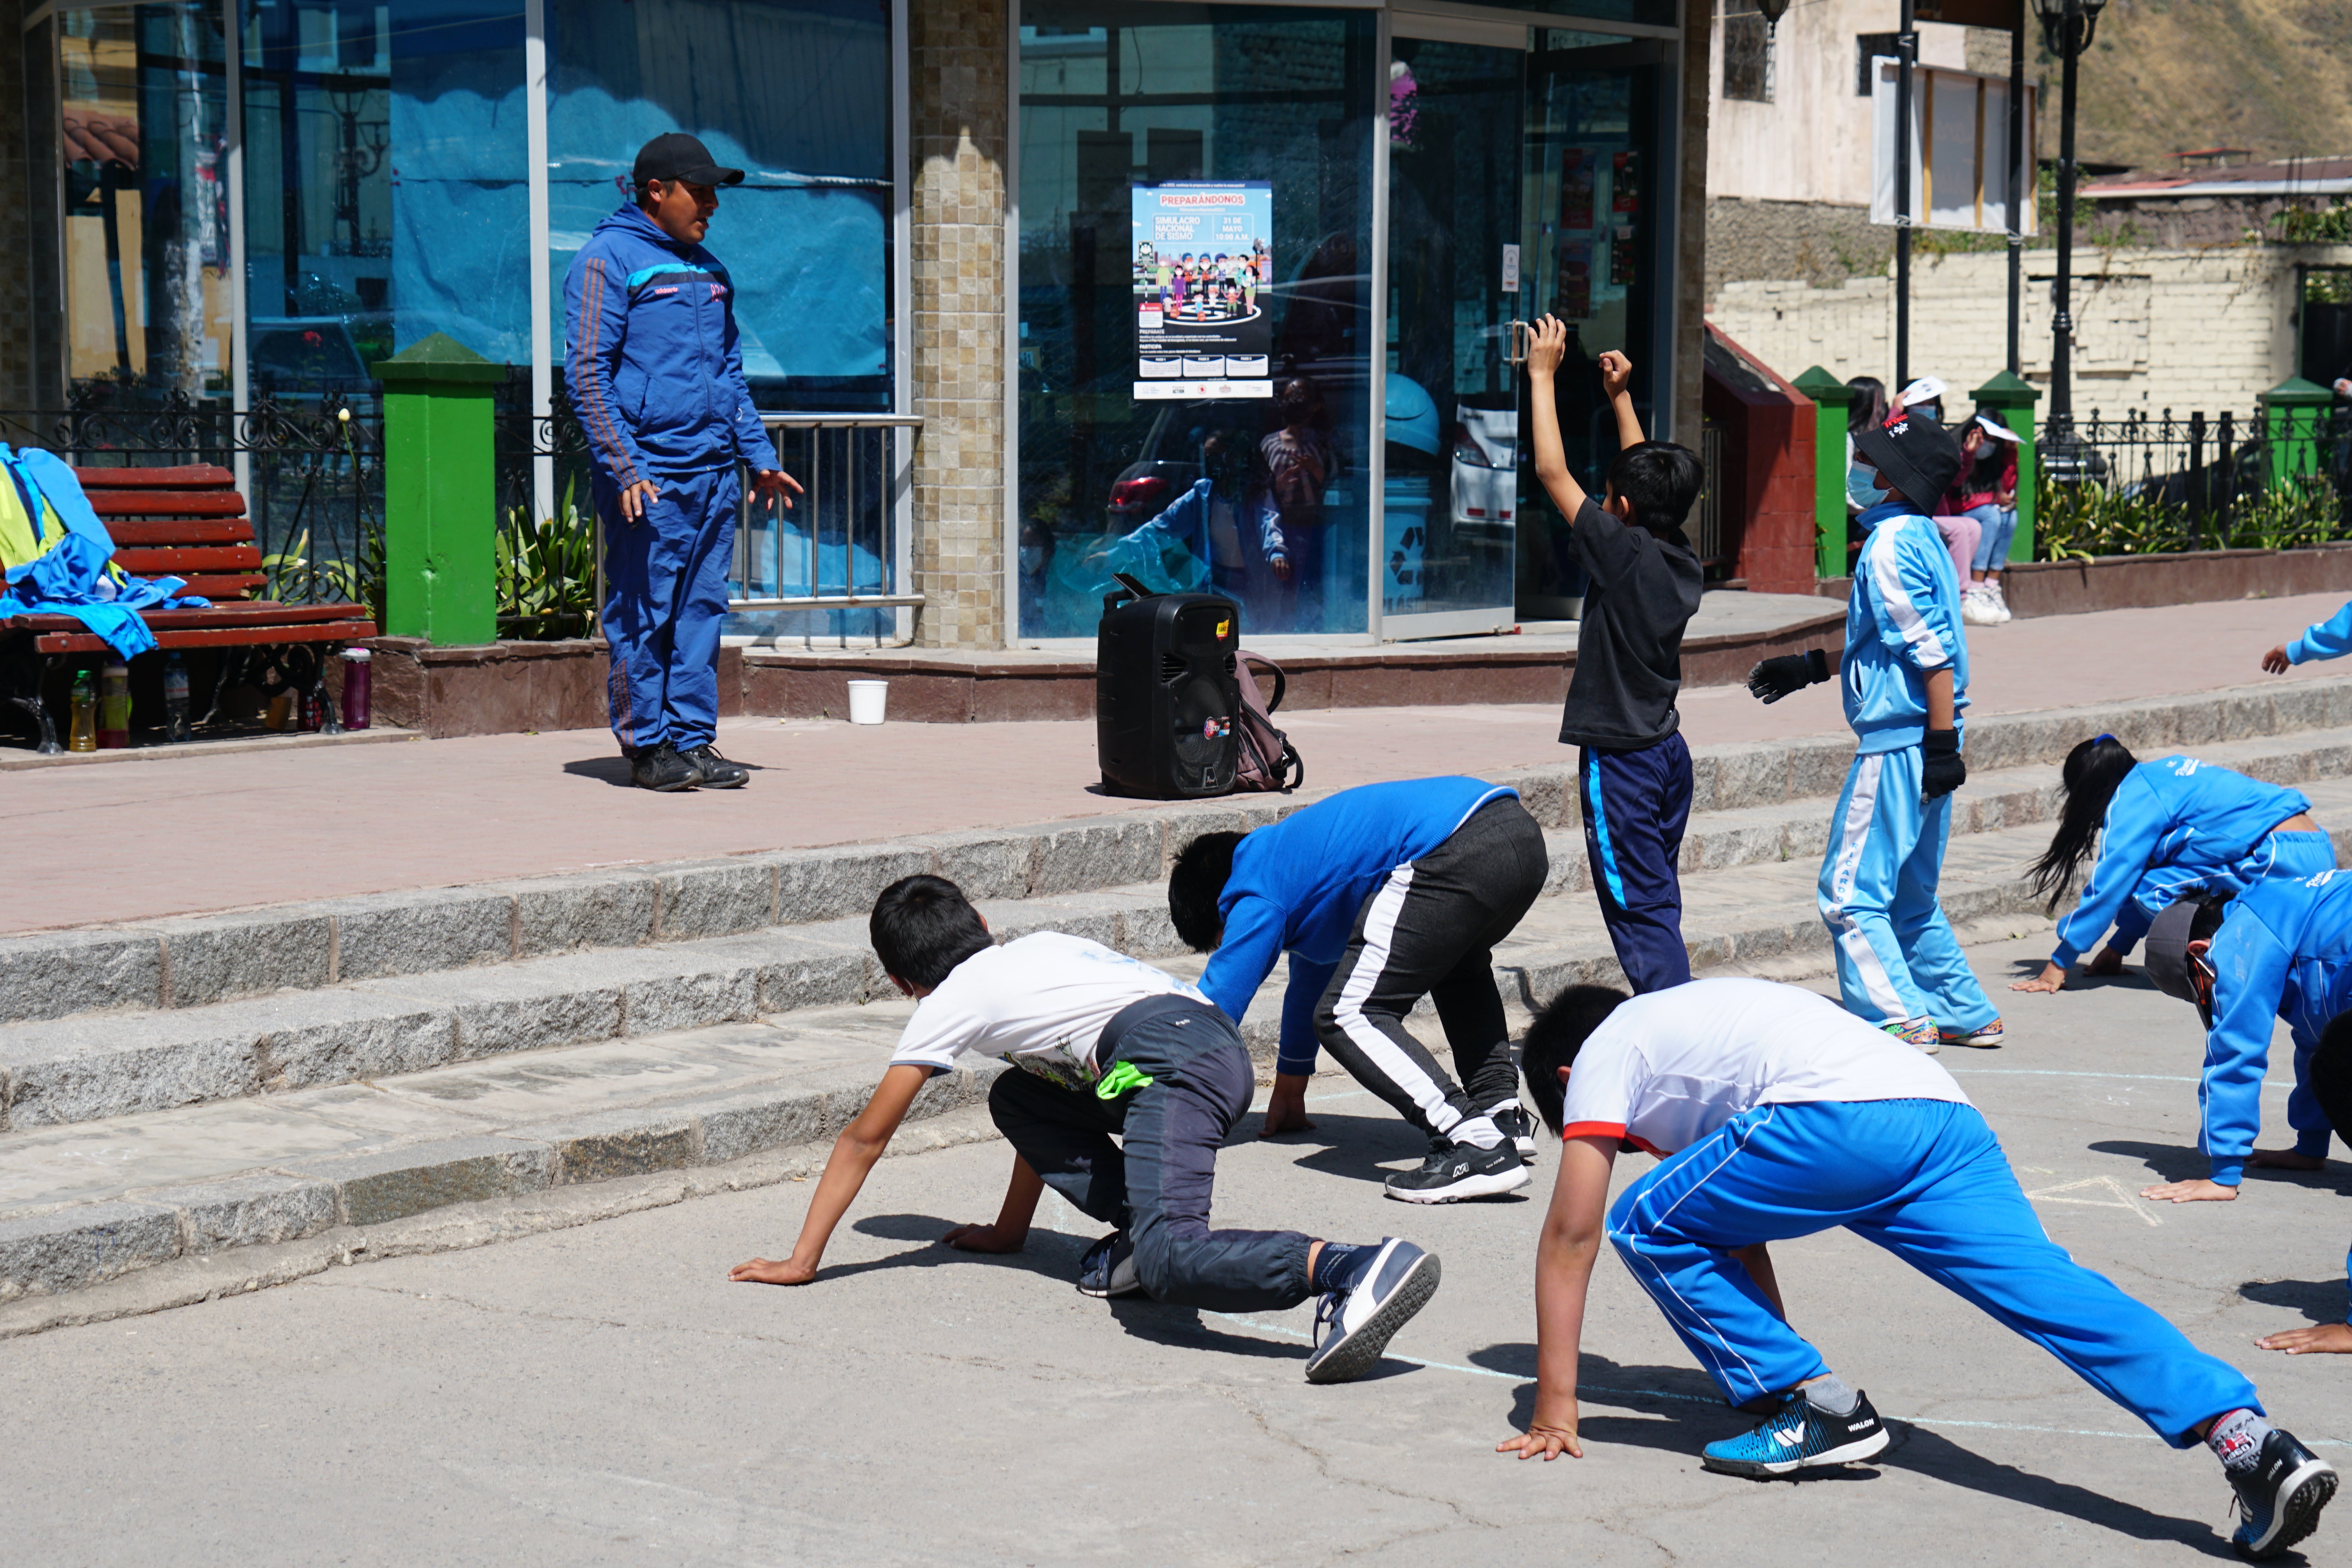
(2330, 638)
(1297, 887)
(2195, 822)
(1188, 519)
(2285, 951)
(1902, 625)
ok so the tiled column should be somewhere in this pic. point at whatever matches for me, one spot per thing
(959, 154)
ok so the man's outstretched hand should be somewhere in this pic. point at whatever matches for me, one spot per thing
(1791, 672)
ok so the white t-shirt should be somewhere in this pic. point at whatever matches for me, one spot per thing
(1040, 1002)
(1667, 1068)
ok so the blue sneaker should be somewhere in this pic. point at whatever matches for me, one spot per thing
(1108, 1269)
(1797, 1436)
(2280, 1497)
(1361, 1322)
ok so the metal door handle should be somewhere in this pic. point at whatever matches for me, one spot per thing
(1522, 338)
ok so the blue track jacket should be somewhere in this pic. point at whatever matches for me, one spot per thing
(1298, 885)
(2285, 951)
(2175, 824)
(1187, 521)
(653, 363)
(1902, 625)
(2330, 638)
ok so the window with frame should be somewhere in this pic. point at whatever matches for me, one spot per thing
(1746, 53)
(1868, 46)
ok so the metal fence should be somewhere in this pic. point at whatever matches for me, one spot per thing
(2273, 480)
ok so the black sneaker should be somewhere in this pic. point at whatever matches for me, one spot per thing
(1456, 1171)
(1800, 1436)
(660, 767)
(1108, 1270)
(2280, 1497)
(1353, 1327)
(712, 771)
(1514, 1122)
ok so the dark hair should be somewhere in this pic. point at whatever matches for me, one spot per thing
(1300, 402)
(1196, 884)
(922, 927)
(2093, 770)
(2330, 1076)
(1662, 480)
(1869, 405)
(1558, 1035)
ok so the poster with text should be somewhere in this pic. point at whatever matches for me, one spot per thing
(1203, 263)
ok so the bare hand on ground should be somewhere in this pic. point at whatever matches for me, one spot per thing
(777, 485)
(1285, 1107)
(1544, 1443)
(763, 1271)
(2197, 1189)
(2327, 1339)
(2051, 978)
(2275, 661)
(983, 1239)
(2286, 1160)
(636, 498)
(2106, 961)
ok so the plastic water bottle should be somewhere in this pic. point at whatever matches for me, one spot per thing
(359, 667)
(175, 698)
(114, 707)
(84, 734)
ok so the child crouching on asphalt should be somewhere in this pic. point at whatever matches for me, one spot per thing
(1106, 1045)
(1776, 1115)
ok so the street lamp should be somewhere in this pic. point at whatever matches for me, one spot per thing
(2067, 27)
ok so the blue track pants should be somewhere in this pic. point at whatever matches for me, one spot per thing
(1925, 1180)
(1635, 806)
(1896, 957)
(665, 598)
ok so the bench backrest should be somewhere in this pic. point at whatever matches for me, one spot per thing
(179, 522)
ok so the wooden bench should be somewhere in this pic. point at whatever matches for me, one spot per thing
(187, 522)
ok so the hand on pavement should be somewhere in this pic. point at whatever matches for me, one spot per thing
(2051, 978)
(2197, 1189)
(984, 1238)
(762, 1271)
(2330, 1339)
(1543, 1442)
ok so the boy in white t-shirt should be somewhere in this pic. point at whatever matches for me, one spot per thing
(1107, 1045)
(1777, 1115)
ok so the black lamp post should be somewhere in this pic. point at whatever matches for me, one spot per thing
(2067, 27)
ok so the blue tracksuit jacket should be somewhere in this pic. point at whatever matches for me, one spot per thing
(2175, 824)
(1902, 625)
(1187, 518)
(2330, 638)
(1298, 885)
(2285, 951)
(653, 363)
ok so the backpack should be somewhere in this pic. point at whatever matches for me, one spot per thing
(1264, 755)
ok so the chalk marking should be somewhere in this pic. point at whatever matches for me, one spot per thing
(2117, 1198)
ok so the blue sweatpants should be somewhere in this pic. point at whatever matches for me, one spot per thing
(1635, 806)
(1925, 1180)
(1898, 959)
(666, 596)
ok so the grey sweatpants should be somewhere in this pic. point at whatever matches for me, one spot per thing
(1156, 1184)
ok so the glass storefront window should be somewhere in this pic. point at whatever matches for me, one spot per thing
(1194, 376)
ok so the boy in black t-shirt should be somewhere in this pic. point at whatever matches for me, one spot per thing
(1634, 771)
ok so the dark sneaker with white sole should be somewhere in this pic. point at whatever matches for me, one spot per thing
(1514, 1123)
(712, 771)
(2279, 1499)
(1108, 1270)
(1456, 1171)
(1353, 1327)
(1800, 1436)
(661, 768)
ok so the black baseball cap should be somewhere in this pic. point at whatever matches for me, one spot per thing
(674, 156)
(1917, 456)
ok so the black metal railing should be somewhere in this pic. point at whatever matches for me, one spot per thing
(2273, 480)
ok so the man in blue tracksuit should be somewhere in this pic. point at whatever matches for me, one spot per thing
(1905, 678)
(2280, 950)
(1381, 895)
(656, 376)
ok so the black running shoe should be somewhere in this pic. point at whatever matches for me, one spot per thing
(2280, 1497)
(661, 768)
(1108, 1270)
(1353, 1327)
(1456, 1171)
(712, 771)
(1800, 1436)
(1513, 1122)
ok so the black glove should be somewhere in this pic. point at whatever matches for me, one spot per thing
(1944, 770)
(1776, 678)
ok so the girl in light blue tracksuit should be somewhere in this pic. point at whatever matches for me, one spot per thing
(2165, 827)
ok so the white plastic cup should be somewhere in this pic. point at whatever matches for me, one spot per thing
(866, 701)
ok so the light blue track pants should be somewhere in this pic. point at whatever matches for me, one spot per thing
(1896, 956)
(1925, 1180)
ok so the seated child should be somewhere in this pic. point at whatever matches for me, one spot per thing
(1106, 1045)
(1777, 1115)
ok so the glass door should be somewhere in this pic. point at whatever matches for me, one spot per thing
(1452, 492)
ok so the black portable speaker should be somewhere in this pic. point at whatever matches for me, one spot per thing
(1165, 693)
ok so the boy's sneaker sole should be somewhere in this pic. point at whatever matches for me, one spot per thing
(1846, 1454)
(1794, 1428)
(1455, 1172)
(2296, 1499)
(1356, 1354)
(1107, 1272)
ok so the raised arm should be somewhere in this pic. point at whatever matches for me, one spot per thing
(1546, 346)
(854, 1153)
(1617, 384)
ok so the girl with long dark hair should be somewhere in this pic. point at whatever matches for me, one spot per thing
(2161, 829)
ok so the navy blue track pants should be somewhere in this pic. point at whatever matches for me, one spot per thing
(1635, 806)
(666, 598)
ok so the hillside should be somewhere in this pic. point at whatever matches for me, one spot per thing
(2165, 76)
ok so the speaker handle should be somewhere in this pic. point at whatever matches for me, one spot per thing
(1129, 588)
(1250, 662)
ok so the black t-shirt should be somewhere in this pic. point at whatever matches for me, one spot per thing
(1629, 663)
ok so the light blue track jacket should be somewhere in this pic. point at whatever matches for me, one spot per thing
(653, 363)
(2175, 824)
(2330, 638)
(1902, 625)
(2283, 952)
(1188, 519)
(1297, 886)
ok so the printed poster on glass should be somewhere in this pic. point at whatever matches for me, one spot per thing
(1203, 263)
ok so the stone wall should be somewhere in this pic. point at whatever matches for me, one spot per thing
(960, 157)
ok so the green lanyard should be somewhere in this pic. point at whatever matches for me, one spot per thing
(1122, 1077)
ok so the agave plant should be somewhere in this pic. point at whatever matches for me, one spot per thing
(547, 571)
